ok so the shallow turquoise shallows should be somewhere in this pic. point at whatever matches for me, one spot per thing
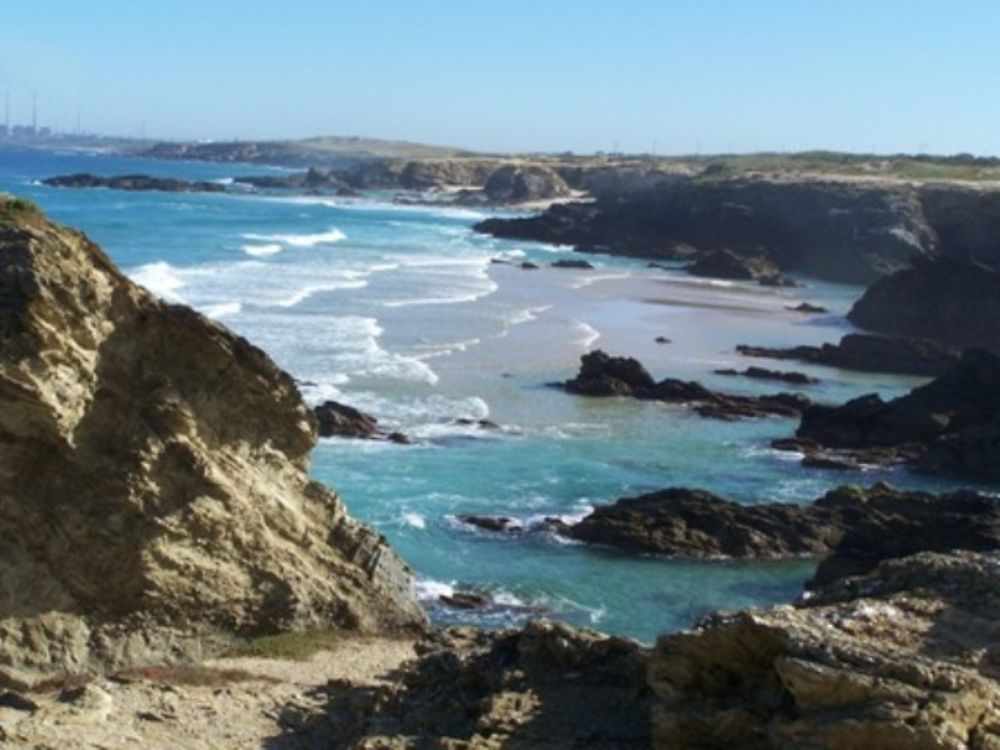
(399, 310)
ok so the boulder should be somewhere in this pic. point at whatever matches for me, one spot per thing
(604, 375)
(154, 497)
(339, 420)
(725, 264)
(952, 301)
(517, 183)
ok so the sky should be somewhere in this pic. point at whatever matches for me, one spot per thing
(670, 76)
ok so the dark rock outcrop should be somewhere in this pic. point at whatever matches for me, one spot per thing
(900, 658)
(154, 497)
(761, 373)
(850, 232)
(566, 263)
(696, 523)
(602, 375)
(859, 351)
(725, 264)
(956, 302)
(856, 528)
(134, 182)
(951, 425)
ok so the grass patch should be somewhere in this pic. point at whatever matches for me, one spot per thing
(16, 209)
(291, 646)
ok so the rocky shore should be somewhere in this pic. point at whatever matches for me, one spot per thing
(171, 577)
(155, 502)
(134, 182)
(842, 230)
(949, 426)
(949, 300)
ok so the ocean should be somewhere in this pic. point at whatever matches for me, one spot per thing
(400, 311)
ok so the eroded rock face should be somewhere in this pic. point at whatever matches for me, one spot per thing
(953, 301)
(901, 658)
(154, 501)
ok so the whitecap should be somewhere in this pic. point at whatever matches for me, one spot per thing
(586, 333)
(161, 279)
(427, 589)
(415, 520)
(261, 250)
(221, 310)
(300, 240)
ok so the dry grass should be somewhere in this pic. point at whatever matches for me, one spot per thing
(188, 675)
(290, 646)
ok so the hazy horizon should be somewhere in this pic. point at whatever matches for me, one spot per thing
(671, 78)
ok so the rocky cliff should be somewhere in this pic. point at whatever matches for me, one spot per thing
(844, 230)
(154, 502)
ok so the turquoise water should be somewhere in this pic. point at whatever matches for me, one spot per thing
(399, 311)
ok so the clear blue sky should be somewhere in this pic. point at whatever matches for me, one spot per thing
(687, 75)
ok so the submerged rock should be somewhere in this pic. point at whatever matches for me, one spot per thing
(899, 658)
(154, 500)
(761, 373)
(866, 353)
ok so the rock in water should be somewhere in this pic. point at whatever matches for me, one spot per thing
(900, 658)
(154, 502)
(725, 264)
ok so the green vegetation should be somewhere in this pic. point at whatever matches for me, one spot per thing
(292, 646)
(891, 166)
(16, 209)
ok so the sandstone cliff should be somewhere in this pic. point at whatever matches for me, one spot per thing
(154, 502)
